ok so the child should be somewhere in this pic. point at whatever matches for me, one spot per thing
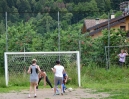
(65, 78)
(43, 75)
(122, 57)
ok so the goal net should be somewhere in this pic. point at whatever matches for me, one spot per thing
(17, 63)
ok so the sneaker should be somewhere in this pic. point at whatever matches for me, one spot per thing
(54, 95)
(35, 96)
(57, 93)
(28, 96)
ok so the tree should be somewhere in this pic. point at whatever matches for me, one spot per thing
(14, 16)
(23, 36)
(44, 23)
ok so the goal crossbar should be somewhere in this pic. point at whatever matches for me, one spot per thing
(62, 52)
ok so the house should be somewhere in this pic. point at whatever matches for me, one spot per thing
(124, 6)
(95, 27)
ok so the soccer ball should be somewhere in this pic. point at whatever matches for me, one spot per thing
(70, 89)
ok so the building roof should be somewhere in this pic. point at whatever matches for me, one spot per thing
(92, 22)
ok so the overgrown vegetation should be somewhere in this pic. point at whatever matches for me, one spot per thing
(113, 81)
(38, 31)
(34, 26)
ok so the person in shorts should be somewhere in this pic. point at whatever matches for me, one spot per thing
(58, 76)
(65, 78)
(33, 71)
(122, 57)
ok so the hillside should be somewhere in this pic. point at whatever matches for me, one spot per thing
(33, 24)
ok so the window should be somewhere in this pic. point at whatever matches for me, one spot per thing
(122, 28)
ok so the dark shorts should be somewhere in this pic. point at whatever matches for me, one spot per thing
(121, 63)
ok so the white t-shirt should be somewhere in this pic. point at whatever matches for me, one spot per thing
(59, 70)
(122, 57)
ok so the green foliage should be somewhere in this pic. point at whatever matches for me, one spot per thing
(2, 83)
(23, 36)
(38, 31)
(117, 38)
(104, 16)
(87, 8)
(118, 13)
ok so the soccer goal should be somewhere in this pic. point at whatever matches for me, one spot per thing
(17, 63)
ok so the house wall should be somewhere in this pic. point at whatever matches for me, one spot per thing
(97, 35)
(118, 26)
(83, 29)
(100, 33)
(127, 23)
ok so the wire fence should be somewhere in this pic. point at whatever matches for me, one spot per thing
(50, 31)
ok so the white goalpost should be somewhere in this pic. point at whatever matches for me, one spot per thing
(17, 63)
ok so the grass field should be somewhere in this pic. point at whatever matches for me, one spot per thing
(114, 81)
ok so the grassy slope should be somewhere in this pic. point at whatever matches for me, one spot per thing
(114, 81)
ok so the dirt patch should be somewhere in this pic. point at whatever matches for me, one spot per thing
(48, 94)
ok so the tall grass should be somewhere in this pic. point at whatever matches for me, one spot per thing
(19, 79)
(2, 81)
(114, 81)
(103, 76)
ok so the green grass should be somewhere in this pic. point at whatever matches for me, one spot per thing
(16, 83)
(114, 81)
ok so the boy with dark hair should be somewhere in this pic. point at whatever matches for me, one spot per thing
(65, 78)
(43, 75)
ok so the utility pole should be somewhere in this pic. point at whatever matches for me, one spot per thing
(6, 32)
(108, 65)
(79, 43)
(59, 34)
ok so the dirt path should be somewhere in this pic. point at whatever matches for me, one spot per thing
(48, 94)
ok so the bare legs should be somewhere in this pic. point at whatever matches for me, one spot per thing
(33, 85)
(35, 90)
(61, 89)
(55, 89)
